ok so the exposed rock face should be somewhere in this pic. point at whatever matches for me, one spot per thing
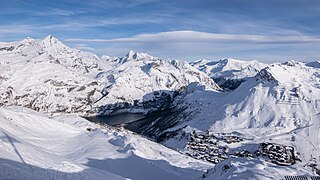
(266, 76)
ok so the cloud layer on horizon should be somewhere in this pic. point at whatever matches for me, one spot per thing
(191, 45)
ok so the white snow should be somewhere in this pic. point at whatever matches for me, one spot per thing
(34, 146)
(278, 103)
(229, 68)
(50, 77)
(137, 76)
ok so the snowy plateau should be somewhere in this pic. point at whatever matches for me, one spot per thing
(225, 119)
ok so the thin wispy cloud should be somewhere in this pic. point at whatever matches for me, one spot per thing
(16, 29)
(121, 4)
(83, 47)
(76, 25)
(56, 12)
(194, 36)
(215, 28)
(191, 45)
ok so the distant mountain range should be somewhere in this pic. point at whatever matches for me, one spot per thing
(48, 76)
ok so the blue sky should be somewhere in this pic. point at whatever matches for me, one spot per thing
(269, 30)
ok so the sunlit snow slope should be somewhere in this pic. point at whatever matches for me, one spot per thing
(34, 146)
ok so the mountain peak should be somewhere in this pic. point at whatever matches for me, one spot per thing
(236, 61)
(52, 44)
(266, 75)
(50, 40)
(291, 63)
(132, 55)
(27, 40)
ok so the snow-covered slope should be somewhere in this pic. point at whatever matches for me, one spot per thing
(48, 76)
(49, 49)
(34, 146)
(281, 104)
(268, 99)
(229, 68)
(229, 73)
(140, 77)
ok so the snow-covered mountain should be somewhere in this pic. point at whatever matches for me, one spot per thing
(48, 76)
(270, 118)
(229, 73)
(229, 68)
(131, 56)
(138, 78)
(280, 104)
(49, 49)
(268, 98)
